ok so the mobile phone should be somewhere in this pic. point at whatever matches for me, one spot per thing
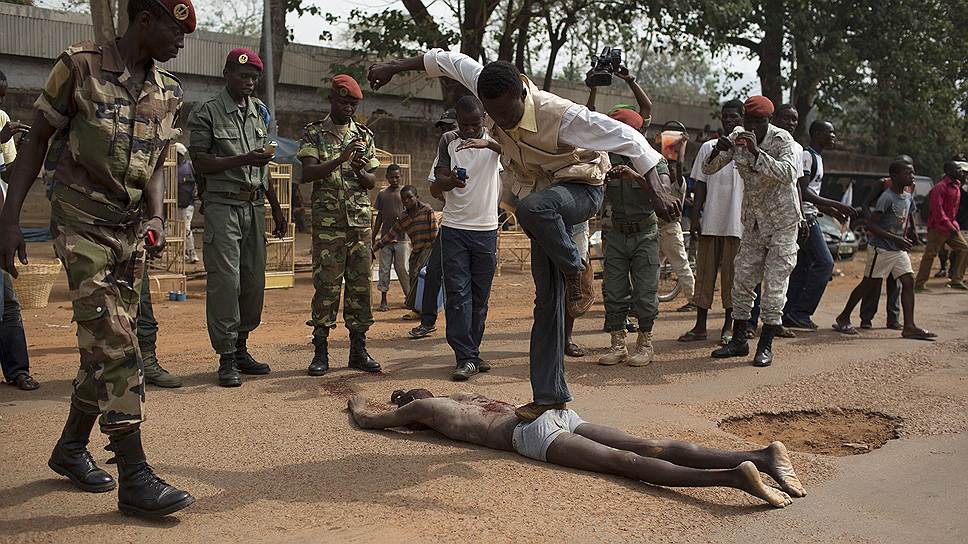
(151, 238)
(462, 174)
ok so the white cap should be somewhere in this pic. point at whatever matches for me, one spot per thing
(180, 148)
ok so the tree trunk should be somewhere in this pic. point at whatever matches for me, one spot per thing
(550, 70)
(102, 16)
(505, 49)
(805, 87)
(476, 14)
(521, 48)
(771, 52)
(884, 111)
(280, 37)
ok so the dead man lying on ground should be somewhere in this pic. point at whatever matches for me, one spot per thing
(562, 438)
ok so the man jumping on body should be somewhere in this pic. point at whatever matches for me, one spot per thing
(562, 438)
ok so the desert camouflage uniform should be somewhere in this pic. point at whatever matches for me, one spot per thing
(110, 136)
(770, 216)
(341, 214)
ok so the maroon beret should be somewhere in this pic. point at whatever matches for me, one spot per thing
(241, 56)
(345, 85)
(182, 11)
(758, 106)
(631, 118)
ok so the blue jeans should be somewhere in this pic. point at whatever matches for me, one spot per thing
(469, 259)
(809, 278)
(13, 341)
(432, 279)
(547, 217)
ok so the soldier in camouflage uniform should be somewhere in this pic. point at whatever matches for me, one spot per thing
(229, 133)
(338, 157)
(767, 162)
(111, 111)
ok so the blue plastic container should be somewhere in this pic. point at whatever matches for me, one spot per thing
(421, 280)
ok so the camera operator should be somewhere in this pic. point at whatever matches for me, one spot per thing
(642, 99)
(671, 241)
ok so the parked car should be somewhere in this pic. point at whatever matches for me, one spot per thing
(841, 241)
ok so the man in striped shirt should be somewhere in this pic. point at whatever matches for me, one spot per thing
(419, 222)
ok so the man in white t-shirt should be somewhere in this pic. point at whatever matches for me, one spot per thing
(467, 173)
(815, 264)
(718, 204)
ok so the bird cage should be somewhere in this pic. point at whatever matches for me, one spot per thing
(280, 252)
(387, 158)
(167, 271)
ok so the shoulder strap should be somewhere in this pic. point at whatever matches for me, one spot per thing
(813, 162)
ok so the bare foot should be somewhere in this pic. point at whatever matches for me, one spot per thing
(357, 403)
(753, 484)
(779, 467)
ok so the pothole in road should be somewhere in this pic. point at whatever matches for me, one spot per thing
(833, 431)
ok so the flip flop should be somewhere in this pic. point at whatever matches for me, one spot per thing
(25, 382)
(847, 329)
(574, 350)
(692, 337)
(922, 335)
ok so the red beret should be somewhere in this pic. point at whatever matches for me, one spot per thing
(345, 85)
(244, 57)
(182, 11)
(758, 106)
(629, 117)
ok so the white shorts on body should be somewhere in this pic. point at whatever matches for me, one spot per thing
(882, 263)
(533, 439)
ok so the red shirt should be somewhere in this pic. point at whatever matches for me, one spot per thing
(943, 201)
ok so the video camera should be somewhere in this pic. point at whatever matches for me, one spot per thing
(603, 66)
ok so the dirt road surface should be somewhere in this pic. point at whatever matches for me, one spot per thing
(278, 461)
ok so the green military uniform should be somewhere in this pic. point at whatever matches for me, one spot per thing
(631, 252)
(110, 137)
(341, 229)
(233, 203)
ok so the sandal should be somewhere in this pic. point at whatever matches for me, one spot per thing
(574, 350)
(920, 334)
(25, 382)
(847, 329)
(692, 337)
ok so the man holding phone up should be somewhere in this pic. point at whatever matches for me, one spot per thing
(338, 156)
(228, 144)
(767, 162)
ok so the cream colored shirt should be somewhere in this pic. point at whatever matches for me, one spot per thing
(579, 126)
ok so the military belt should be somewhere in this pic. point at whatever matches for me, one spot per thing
(108, 214)
(638, 226)
(243, 196)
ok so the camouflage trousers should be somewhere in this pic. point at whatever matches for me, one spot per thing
(341, 254)
(104, 272)
(768, 258)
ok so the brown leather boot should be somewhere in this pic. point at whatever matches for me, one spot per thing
(579, 294)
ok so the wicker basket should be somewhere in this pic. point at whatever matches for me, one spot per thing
(34, 282)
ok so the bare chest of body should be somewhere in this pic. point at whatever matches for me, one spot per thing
(478, 420)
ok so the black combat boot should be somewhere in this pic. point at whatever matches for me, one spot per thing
(737, 346)
(764, 348)
(140, 492)
(320, 362)
(244, 360)
(228, 372)
(359, 358)
(70, 457)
